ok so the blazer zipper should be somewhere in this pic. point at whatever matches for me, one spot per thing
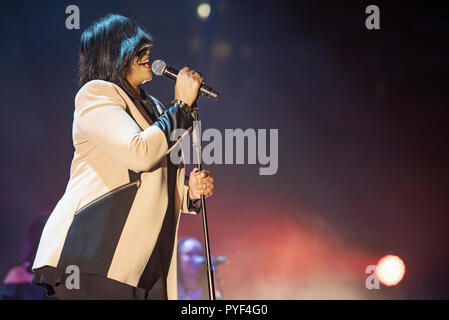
(107, 194)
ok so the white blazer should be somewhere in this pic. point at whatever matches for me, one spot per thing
(107, 143)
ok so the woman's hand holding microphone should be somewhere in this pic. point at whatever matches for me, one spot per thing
(187, 87)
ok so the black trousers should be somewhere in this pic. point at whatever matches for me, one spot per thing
(107, 289)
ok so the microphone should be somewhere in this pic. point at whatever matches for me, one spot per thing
(215, 261)
(160, 68)
(219, 260)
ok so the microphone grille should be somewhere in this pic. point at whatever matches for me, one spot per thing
(158, 67)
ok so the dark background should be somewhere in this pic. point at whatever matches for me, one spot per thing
(363, 134)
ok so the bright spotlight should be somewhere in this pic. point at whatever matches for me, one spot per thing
(390, 270)
(203, 11)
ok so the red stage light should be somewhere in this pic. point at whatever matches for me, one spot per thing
(390, 270)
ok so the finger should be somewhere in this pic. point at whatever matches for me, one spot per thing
(183, 71)
(208, 180)
(198, 179)
(199, 76)
(196, 75)
(208, 193)
(207, 186)
(204, 174)
(197, 80)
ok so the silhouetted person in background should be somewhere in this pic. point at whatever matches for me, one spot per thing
(17, 283)
(192, 274)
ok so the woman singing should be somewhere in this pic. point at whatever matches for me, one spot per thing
(113, 233)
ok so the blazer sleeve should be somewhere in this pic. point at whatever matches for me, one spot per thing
(103, 120)
(189, 205)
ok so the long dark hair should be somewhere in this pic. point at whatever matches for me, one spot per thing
(107, 50)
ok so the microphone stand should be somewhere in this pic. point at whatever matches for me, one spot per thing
(196, 144)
